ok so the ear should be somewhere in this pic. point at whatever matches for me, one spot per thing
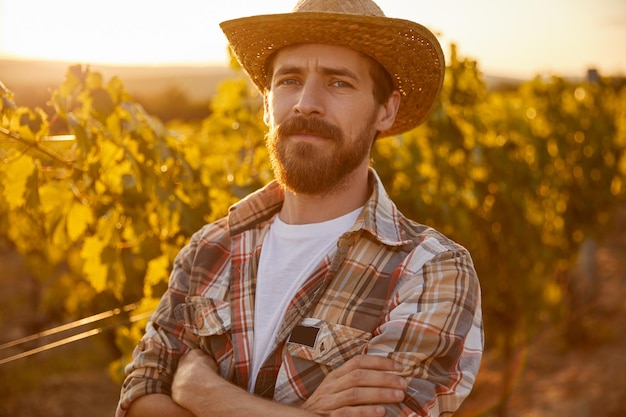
(387, 112)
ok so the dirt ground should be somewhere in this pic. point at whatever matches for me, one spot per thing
(74, 394)
(552, 378)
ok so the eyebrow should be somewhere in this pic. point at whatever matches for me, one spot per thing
(339, 71)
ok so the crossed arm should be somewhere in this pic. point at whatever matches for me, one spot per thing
(357, 388)
(438, 323)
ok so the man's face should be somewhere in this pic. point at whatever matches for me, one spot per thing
(322, 116)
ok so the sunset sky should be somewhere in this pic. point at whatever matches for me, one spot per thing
(509, 38)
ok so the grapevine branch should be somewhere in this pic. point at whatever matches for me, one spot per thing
(32, 144)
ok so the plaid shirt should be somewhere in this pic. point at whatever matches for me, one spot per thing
(394, 288)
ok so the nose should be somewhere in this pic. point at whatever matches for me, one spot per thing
(310, 99)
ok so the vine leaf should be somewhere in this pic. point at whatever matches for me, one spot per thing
(17, 174)
(95, 271)
(157, 272)
(79, 218)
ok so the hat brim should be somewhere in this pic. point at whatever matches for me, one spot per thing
(407, 50)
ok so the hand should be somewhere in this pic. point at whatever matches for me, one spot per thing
(359, 387)
(191, 377)
(199, 388)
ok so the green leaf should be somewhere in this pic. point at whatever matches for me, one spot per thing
(16, 178)
(102, 103)
(79, 218)
(95, 271)
(158, 272)
(83, 141)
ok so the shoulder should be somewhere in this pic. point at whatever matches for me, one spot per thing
(212, 232)
(211, 238)
(429, 248)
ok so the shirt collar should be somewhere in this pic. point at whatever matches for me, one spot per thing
(380, 216)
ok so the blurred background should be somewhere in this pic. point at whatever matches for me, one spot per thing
(124, 128)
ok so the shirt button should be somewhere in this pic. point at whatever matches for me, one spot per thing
(199, 320)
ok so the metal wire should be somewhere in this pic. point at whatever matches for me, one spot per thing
(69, 326)
(73, 338)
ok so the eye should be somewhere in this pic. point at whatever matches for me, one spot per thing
(288, 81)
(341, 84)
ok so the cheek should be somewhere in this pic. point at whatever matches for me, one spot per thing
(276, 110)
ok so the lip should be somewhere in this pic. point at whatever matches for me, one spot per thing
(307, 136)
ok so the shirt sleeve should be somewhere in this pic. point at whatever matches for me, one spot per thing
(156, 356)
(434, 328)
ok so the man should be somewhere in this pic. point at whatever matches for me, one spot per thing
(315, 296)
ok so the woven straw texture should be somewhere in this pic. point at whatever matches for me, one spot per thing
(409, 51)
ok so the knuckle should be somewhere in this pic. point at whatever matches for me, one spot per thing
(353, 395)
(359, 360)
(357, 375)
(344, 412)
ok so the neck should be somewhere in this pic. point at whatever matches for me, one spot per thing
(348, 196)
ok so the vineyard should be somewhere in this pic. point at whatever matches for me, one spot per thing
(98, 195)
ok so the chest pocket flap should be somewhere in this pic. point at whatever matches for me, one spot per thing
(204, 316)
(326, 343)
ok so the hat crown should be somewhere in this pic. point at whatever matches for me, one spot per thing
(408, 51)
(358, 7)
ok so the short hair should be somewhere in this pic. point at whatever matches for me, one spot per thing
(383, 84)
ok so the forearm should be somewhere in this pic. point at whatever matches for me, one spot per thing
(218, 397)
(157, 405)
(357, 388)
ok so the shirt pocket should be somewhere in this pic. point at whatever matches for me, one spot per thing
(326, 343)
(314, 348)
(205, 316)
(207, 326)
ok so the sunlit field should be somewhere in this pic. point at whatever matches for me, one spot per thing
(107, 168)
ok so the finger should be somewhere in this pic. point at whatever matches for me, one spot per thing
(353, 398)
(371, 378)
(359, 387)
(361, 411)
(373, 362)
(369, 396)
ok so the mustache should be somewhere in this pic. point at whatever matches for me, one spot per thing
(311, 126)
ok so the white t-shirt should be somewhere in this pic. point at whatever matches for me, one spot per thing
(290, 253)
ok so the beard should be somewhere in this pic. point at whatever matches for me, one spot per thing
(315, 168)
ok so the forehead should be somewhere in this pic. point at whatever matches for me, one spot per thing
(313, 57)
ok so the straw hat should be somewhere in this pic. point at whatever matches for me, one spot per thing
(407, 50)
